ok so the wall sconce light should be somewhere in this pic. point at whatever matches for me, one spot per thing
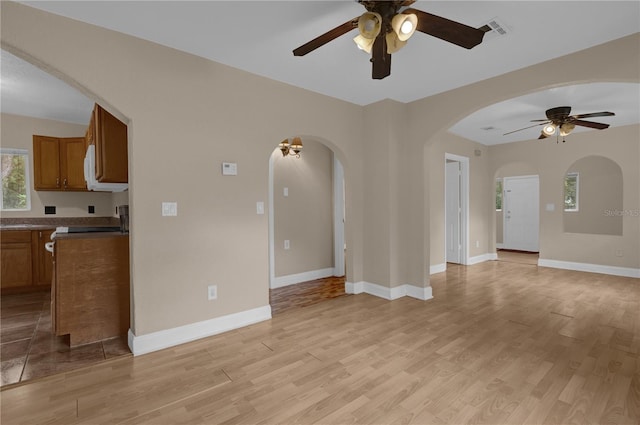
(292, 147)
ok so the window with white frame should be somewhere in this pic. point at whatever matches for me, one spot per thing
(571, 191)
(16, 193)
(498, 194)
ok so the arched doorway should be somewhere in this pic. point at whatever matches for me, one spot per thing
(306, 220)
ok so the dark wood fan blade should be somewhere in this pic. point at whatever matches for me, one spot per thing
(542, 136)
(591, 124)
(594, 114)
(540, 120)
(447, 30)
(380, 59)
(531, 126)
(326, 37)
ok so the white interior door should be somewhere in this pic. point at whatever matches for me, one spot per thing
(521, 213)
(453, 212)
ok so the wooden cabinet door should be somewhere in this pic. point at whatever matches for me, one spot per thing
(42, 259)
(15, 253)
(46, 163)
(111, 148)
(72, 153)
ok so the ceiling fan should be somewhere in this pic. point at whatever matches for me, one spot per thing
(384, 29)
(559, 122)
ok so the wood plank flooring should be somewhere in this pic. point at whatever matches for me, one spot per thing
(305, 294)
(501, 343)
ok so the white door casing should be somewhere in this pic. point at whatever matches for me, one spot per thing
(452, 212)
(463, 197)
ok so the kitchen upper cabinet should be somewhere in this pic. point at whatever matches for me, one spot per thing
(15, 252)
(109, 134)
(58, 163)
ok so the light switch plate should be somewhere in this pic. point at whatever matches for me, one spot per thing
(169, 209)
(259, 207)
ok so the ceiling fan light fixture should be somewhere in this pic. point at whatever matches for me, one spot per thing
(566, 129)
(404, 25)
(363, 43)
(369, 25)
(549, 130)
(394, 43)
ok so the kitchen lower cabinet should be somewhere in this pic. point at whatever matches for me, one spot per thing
(17, 264)
(90, 290)
(26, 265)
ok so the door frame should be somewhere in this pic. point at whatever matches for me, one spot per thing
(464, 206)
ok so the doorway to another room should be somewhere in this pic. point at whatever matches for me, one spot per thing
(456, 208)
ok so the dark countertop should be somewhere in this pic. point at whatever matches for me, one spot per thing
(93, 235)
(50, 223)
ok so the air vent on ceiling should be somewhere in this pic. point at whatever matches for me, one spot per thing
(495, 28)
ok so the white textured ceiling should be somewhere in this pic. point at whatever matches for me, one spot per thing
(258, 36)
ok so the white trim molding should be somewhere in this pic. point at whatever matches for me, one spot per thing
(155, 341)
(591, 268)
(388, 293)
(482, 258)
(438, 268)
(292, 279)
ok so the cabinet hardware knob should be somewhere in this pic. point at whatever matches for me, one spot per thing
(57, 182)
(65, 183)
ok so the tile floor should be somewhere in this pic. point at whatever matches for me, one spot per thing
(28, 348)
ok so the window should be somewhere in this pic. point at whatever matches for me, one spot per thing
(571, 192)
(498, 194)
(16, 194)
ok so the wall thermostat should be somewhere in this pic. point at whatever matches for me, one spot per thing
(229, 169)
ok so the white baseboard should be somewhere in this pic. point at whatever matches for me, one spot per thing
(388, 293)
(175, 336)
(592, 268)
(438, 268)
(482, 258)
(292, 279)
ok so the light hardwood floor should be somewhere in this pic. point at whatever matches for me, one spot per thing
(501, 343)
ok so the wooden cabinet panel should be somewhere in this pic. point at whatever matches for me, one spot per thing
(58, 163)
(46, 163)
(26, 264)
(91, 298)
(72, 153)
(111, 147)
(15, 253)
(42, 259)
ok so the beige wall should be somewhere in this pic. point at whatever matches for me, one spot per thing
(186, 115)
(305, 216)
(17, 132)
(551, 160)
(479, 182)
(600, 186)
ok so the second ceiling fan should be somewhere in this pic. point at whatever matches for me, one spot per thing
(384, 29)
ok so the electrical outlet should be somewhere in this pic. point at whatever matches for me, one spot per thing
(91, 209)
(287, 245)
(477, 244)
(212, 292)
(50, 209)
